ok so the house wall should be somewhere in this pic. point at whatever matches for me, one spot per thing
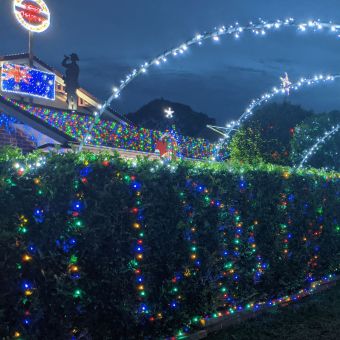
(16, 138)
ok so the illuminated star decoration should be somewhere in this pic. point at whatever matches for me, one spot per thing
(169, 113)
(286, 83)
(16, 72)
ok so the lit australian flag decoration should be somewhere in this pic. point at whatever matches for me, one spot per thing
(27, 81)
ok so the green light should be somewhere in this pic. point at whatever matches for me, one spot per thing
(77, 293)
(228, 265)
(73, 259)
(319, 210)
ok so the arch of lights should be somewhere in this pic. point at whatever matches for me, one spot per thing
(320, 141)
(285, 89)
(259, 29)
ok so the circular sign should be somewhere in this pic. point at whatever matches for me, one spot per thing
(34, 15)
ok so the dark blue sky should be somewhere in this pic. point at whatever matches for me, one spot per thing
(111, 37)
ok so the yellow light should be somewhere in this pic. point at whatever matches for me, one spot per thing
(141, 287)
(193, 256)
(136, 225)
(286, 175)
(74, 269)
(17, 334)
(26, 258)
(28, 292)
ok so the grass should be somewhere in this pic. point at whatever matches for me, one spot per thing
(315, 318)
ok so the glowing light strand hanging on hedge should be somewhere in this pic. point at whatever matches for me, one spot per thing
(138, 228)
(259, 29)
(75, 224)
(28, 287)
(320, 142)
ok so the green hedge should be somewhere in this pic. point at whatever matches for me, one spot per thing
(202, 238)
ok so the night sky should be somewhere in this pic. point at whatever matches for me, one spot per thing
(111, 37)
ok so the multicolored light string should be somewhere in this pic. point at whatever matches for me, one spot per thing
(68, 242)
(112, 134)
(284, 229)
(138, 246)
(314, 233)
(28, 249)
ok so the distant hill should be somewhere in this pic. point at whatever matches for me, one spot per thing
(187, 121)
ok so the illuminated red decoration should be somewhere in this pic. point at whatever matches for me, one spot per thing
(34, 15)
(18, 73)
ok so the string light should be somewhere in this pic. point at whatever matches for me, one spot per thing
(113, 134)
(233, 126)
(139, 233)
(319, 143)
(260, 28)
(243, 237)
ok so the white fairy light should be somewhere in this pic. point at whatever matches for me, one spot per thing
(249, 111)
(319, 142)
(261, 28)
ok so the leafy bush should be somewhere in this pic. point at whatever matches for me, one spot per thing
(214, 237)
(307, 134)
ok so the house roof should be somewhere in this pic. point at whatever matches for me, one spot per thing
(66, 127)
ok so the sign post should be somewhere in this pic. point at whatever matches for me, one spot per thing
(30, 48)
(34, 16)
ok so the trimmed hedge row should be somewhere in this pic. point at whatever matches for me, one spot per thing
(121, 250)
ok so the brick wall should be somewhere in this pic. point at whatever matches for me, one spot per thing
(16, 138)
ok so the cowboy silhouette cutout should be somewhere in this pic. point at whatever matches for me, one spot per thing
(71, 80)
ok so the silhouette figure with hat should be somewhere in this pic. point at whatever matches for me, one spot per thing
(71, 79)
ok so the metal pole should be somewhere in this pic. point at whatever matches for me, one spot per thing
(30, 48)
(30, 54)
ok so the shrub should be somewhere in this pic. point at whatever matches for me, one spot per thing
(132, 250)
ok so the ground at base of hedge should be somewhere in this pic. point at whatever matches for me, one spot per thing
(315, 318)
